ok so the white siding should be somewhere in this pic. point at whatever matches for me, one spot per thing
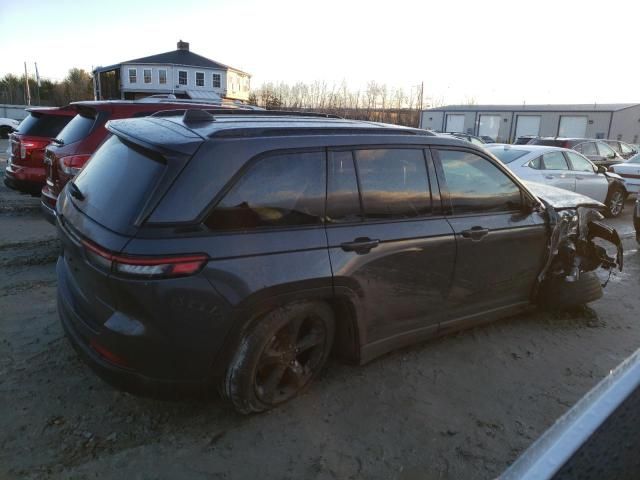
(172, 79)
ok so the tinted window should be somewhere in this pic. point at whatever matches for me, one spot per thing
(507, 154)
(554, 161)
(578, 162)
(606, 150)
(38, 125)
(77, 129)
(117, 182)
(343, 201)
(276, 191)
(476, 185)
(587, 148)
(393, 183)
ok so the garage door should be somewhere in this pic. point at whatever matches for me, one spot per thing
(572, 126)
(527, 125)
(489, 126)
(455, 123)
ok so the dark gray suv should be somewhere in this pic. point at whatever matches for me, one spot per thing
(242, 250)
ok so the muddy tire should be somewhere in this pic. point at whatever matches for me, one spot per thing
(614, 202)
(560, 294)
(279, 356)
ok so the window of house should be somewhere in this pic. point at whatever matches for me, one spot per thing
(182, 77)
(162, 77)
(133, 75)
(216, 80)
(277, 191)
(393, 183)
(199, 79)
(476, 185)
(146, 74)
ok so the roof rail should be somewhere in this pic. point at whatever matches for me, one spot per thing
(243, 110)
(280, 131)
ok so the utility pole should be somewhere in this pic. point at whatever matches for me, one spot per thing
(37, 82)
(26, 85)
(421, 94)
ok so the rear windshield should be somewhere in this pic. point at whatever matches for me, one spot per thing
(116, 183)
(43, 125)
(507, 154)
(77, 129)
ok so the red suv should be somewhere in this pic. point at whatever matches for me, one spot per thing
(68, 153)
(25, 169)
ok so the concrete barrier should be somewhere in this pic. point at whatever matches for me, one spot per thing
(17, 112)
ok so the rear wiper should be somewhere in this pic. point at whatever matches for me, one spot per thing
(58, 141)
(75, 191)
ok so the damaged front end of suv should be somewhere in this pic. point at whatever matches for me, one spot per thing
(579, 244)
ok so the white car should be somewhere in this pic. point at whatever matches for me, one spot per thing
(7, 125)
(564, 168)
(630, 171)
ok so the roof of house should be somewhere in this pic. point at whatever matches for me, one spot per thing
(583, 107)
(175, 57)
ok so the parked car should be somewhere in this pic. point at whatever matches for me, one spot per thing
(7, 126)
(630, 172)
(25, 168)
(73, 147)
(636, 218)
(564, 168)
(623, 149)
(595, 150)
(524, 139)
(240, 250)
(465, 136)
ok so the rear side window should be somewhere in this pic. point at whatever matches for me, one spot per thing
(117, 182)
(554, 161)
(77, 129)
(476, 185)
(39, 125)
(393, 183)
(276, 191)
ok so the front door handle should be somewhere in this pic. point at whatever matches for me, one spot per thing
(475, 233)
(360, 245)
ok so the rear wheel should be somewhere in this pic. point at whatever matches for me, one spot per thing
(615, 202)
(558, 293)
(280, 356)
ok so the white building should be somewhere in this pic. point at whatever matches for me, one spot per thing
(505, 123)
(179, 72)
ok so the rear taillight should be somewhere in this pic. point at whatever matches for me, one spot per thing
(72, 164)
(27, 148)
(144, 267)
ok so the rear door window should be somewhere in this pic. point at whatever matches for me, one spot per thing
(276, 191)
(475, 185)
(117, 182)
(77, 129)
(40, 125)
(587, 148)
(554, 161)
(605, 150)
(393, 183)
(579, 163)
(343, 199)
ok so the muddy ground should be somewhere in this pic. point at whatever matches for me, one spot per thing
(463, 406)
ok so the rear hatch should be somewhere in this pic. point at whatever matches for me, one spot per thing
(33, 135)
(66, 147)
(101, 210)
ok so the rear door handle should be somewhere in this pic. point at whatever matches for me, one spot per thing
(549, 177)
(360, 245)
(475, 233)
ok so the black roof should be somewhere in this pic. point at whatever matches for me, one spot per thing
(182, 57)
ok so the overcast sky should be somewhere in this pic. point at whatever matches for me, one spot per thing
(492, 51)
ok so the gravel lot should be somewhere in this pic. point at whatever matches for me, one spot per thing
(464, 406)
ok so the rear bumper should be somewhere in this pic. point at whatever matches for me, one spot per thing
(48, 205)
(18, 179)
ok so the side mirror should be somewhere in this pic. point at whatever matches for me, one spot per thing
(601, 169)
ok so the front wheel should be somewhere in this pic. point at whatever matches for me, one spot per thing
(558, 293)
(614, 202)
(280, 356)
